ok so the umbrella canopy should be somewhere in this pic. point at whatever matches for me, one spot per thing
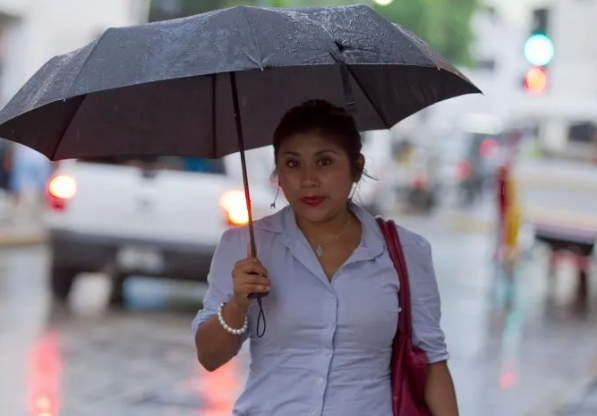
(170, 87)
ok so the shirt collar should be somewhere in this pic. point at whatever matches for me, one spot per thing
(284, 222)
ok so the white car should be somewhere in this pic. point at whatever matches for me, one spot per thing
(160, 217)
(377, 193)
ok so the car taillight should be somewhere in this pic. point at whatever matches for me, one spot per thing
(60, 189)
(489, 148)
(419, 181)
(235, 206)
(463, 169)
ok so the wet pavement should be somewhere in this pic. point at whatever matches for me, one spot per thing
(89, 361)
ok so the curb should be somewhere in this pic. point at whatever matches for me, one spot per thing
(538, 182)
(469, 224)
(10, 239)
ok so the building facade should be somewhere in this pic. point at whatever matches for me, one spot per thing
(33, 31)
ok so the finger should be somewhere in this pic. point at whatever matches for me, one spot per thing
(253, 279)
(244, 264)
(258, 269)
(253, 267)
(241, 264)
(248, 289)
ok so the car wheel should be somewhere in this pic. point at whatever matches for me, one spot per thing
(117, 292)
(61, 282)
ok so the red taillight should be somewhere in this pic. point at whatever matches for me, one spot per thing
(489, 148)
(463, 169)
(419, 181)
(60, 189)
(235, 206)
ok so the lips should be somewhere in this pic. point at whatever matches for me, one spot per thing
(312, 201)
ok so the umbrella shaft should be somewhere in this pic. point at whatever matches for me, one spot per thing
(241, 147)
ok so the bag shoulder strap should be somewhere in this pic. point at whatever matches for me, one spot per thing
(394, 245)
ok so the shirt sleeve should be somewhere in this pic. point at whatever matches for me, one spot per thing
(425, 303)
(230, 249)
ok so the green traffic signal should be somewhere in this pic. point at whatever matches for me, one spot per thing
(539, 49)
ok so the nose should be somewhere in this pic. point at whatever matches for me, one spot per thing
(309, 177)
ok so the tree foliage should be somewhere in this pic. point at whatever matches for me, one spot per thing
(444, 24)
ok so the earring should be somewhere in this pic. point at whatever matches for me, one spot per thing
(273, 204)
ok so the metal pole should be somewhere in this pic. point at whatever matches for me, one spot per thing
(241, 148)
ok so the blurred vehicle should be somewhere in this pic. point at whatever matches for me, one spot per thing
(559, 208)
(417, 179)
(375, 191)
(6, 163)
(150, 216)
(469, 163)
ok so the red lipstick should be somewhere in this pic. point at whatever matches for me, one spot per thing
(312, 201)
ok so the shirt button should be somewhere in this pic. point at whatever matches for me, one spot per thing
(319, 382)
(327, 353)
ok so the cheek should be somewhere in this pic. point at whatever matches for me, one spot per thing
(287, 180)
(337, 179)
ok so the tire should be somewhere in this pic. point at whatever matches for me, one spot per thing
(116, 300)
(61, 282)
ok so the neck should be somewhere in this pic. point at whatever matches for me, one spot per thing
(324, 230)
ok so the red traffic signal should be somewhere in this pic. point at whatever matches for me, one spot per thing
(536, 80)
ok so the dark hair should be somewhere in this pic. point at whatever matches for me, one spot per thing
(328, 120)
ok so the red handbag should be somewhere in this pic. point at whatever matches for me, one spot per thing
(409, 363)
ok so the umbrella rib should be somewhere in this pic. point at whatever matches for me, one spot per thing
(86, 61)
(255, 43)
(375, 107)
(57, 147)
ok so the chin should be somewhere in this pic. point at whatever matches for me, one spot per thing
(314, 215)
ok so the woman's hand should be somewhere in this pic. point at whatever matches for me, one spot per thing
(249, 276)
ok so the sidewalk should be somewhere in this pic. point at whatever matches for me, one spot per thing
(12, 237)
(19, 230)
(580, 400)
(476, 219)
(585, 405)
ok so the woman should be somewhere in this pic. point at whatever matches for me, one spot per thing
(332, 307)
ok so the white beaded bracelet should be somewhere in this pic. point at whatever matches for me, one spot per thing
(227, 327)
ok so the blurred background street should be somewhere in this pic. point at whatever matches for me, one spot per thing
(103, 262)
(88, 359)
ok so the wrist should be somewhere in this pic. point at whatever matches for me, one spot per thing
(234, 322)
(238, 307)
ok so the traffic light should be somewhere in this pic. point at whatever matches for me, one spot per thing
(539, 52)
(536, 80)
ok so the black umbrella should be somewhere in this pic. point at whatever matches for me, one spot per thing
(217, 83)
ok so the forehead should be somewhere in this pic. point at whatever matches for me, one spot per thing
(306, 143)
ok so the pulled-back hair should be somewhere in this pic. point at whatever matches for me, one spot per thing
(328, 120)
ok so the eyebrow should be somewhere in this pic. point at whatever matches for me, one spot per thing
(289, 152)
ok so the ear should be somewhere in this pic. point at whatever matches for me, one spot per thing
(275, 178)
(360, 164)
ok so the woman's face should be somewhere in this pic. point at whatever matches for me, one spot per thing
(315, 176)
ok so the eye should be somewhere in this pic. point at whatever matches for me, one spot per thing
(324, 161)
(292, 163)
